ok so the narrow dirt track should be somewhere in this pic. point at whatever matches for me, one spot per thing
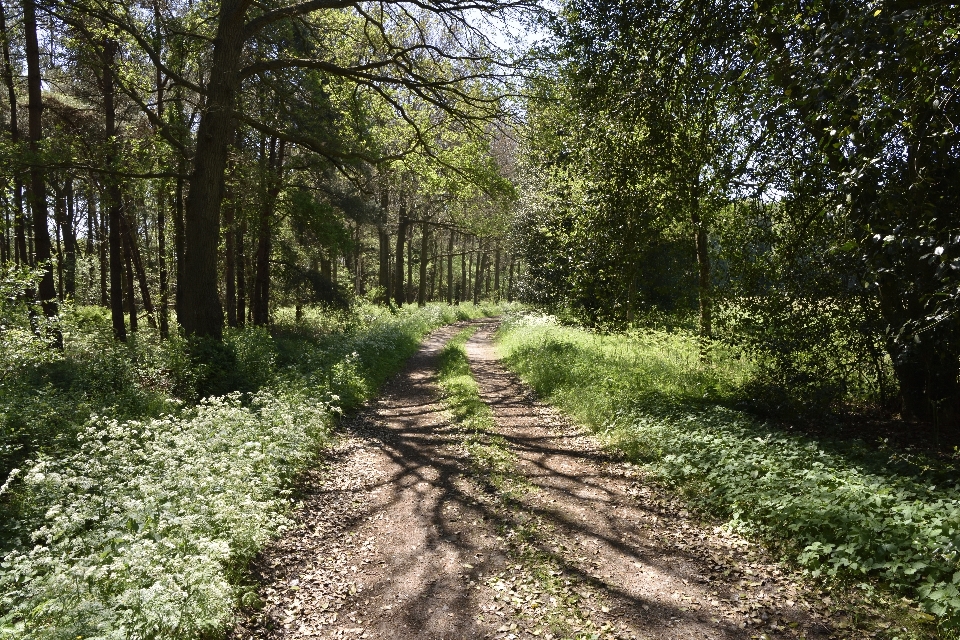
(396, 536)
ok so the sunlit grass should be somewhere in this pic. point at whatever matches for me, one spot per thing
(841, 516)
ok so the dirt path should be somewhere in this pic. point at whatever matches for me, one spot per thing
(398, 537)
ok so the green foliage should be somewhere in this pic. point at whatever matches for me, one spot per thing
(838, 514)
(144, 526)
(139, 515)
(789, 296)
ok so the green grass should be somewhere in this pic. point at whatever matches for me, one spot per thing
(489, 452)
(139, 518)
(844, 517)
(536, 584)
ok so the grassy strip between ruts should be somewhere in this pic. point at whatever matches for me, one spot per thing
(536, 586)
(144, 527)
(838, 516)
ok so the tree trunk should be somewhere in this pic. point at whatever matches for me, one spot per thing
(261, 288)
(408, 297)
(450, 267)
(437, 270)
(130, 239)
(510, 282)
(91, 230)
(703, 268)
(481, 264)
(241, 275)
(496, 274)
(19, 236)
(162, 259)
(179, 241)
(261, 283)
(464, 270)
(38, 188)
(100, 226)
(70, 244)
(229, 260)
(402, 225)
(424, 259)
(114, 195)
(383, 239)
(128, 281)
(59, 206)
(4, 244)
(358, 261)
(202, 314)
(161, 195)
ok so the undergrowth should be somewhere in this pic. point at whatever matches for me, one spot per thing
(848, 518)
(135, 511)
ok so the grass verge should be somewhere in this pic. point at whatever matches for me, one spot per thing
(141, 522)
(846, 518)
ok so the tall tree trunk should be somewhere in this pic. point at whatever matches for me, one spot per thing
(408, 297)
(70, 243)
(59, 213)
(481, 263)
(703, 268)
(261, 285)
(510, 282)
(128, 283)
(19, 235)
(114, 195)
(261, 290)
(100, 226)
(383, 280)
(202, 313)
(179, 240)
(162, 259)
(496, 273)
(450, 267)
(19, 225)
(230, 260)
(241, 277)
(424, 259)
(133, 250)
(90, 242)
(437, 263)
(5, 232)
(465, 268)
(38, 188)
(161, 195)
(402, 225)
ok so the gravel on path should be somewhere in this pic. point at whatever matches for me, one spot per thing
(395, 537)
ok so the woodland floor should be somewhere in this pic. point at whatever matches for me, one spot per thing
(399, 534)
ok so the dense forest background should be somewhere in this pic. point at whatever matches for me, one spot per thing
(786, 170)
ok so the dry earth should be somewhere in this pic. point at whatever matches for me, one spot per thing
(400, 535)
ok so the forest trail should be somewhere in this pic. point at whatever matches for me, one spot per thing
(399, 535)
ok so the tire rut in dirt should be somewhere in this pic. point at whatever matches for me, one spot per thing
(391, 538)
(639, 565)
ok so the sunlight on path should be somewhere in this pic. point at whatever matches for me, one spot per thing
(399, 534)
